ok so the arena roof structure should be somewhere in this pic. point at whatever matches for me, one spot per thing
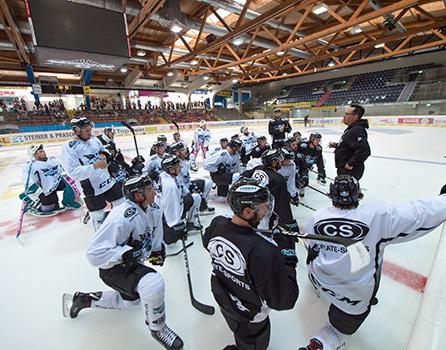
(184, 45)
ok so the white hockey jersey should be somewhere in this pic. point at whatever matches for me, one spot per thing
(376, 225)
(172, 194)
(78, 157)
(253, 162)
(153, 164)
(289, 173)
(45, 174)
(249, 141)
(230, 161)
(126, 222)
(184, 175)
(202, 137)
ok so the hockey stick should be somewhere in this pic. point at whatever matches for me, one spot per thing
(307, 206)
(128, 126)
(317, 190)
(22, 210)
(180, 251)
(359, 256)
(176, 125)
(206, 309)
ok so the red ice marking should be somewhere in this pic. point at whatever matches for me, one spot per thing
(402, 275)
(37, 223)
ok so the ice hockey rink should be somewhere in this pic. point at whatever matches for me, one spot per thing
(406, 163)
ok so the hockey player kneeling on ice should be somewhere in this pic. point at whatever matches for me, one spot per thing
(42, 178)
(312, 151)
(302, 178)
(130, 234)
(160, 139)
(224, 167)
(262, 146)
(252, 273)
(152, 168)
(288, 171)
(196, 186)
(84, 159)
(377, 225)
(268, 176)
(177, 202)
(117, 167)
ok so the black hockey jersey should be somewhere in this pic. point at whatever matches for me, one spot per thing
(257, 151)
(277, 186)
(277, 128)
(313, 156)
(250, 275)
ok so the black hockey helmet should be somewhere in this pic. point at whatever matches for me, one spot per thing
(315, 135)
(287, 153)
(159, 144)
(169, 162)
(80, 122)
(135, 184)
(269, 155)
(235, 144)
(110, 129)
(162, 138)
(177, 147)
(260, 138)
(344, 191)
(246, 193)
(224, 139)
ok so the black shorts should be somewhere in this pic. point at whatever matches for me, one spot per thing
(99, 202)
(52, 197)
(123, 281)
(346, 323)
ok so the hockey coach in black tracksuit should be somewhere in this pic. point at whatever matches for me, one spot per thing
(353, 149)
(251, 274)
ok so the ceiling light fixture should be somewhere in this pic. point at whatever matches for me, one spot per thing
(280, 53)
(237, 42)
(320, 9)
(140, 53)
(170, 74)
(123, 70)
(377, 46)
(206, 77)
(176, 28)
(194, 62)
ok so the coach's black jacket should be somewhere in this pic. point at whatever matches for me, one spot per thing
(250, 275)
(353, 148)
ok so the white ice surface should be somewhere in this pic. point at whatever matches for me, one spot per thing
(52, 261)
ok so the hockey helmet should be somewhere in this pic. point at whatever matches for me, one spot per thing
(33, 149)
(260, 138)
(159, 144)
(203, 123)
(287, 153)
(110, 129)
(162, 138)
(315, 135)
(247, 193)
(223, 139)
(80, 123)
(269, 155)
(344, 191)
(169, 162)
(177, 147)
(136, 184)
(235, 144)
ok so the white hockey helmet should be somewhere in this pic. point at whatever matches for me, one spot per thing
(203, 123)
(33, 149)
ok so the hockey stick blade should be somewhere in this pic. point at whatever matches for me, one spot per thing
(180, 251)
(128, 126)
(206, 309)
(176, 125)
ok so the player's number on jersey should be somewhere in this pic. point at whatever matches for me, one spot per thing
(262, 177)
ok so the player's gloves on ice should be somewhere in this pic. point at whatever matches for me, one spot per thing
(157, 257)
(180, 230)
(133, 256)
(443, 190)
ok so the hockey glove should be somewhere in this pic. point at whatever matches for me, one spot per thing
(221, 169)
(292, 226)
(302, 181)
(133, 256)
(286, 244)
(295, 200)
(443, 190)
(157, 258)
(312, 254)
(180, 230)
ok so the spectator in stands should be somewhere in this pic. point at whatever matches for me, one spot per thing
(353, 149)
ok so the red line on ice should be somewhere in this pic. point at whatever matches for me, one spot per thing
(407, 277)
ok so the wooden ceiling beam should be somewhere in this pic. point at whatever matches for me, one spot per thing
(150, 8)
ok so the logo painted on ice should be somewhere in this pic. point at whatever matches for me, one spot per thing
(346, 228)
(227, 255)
